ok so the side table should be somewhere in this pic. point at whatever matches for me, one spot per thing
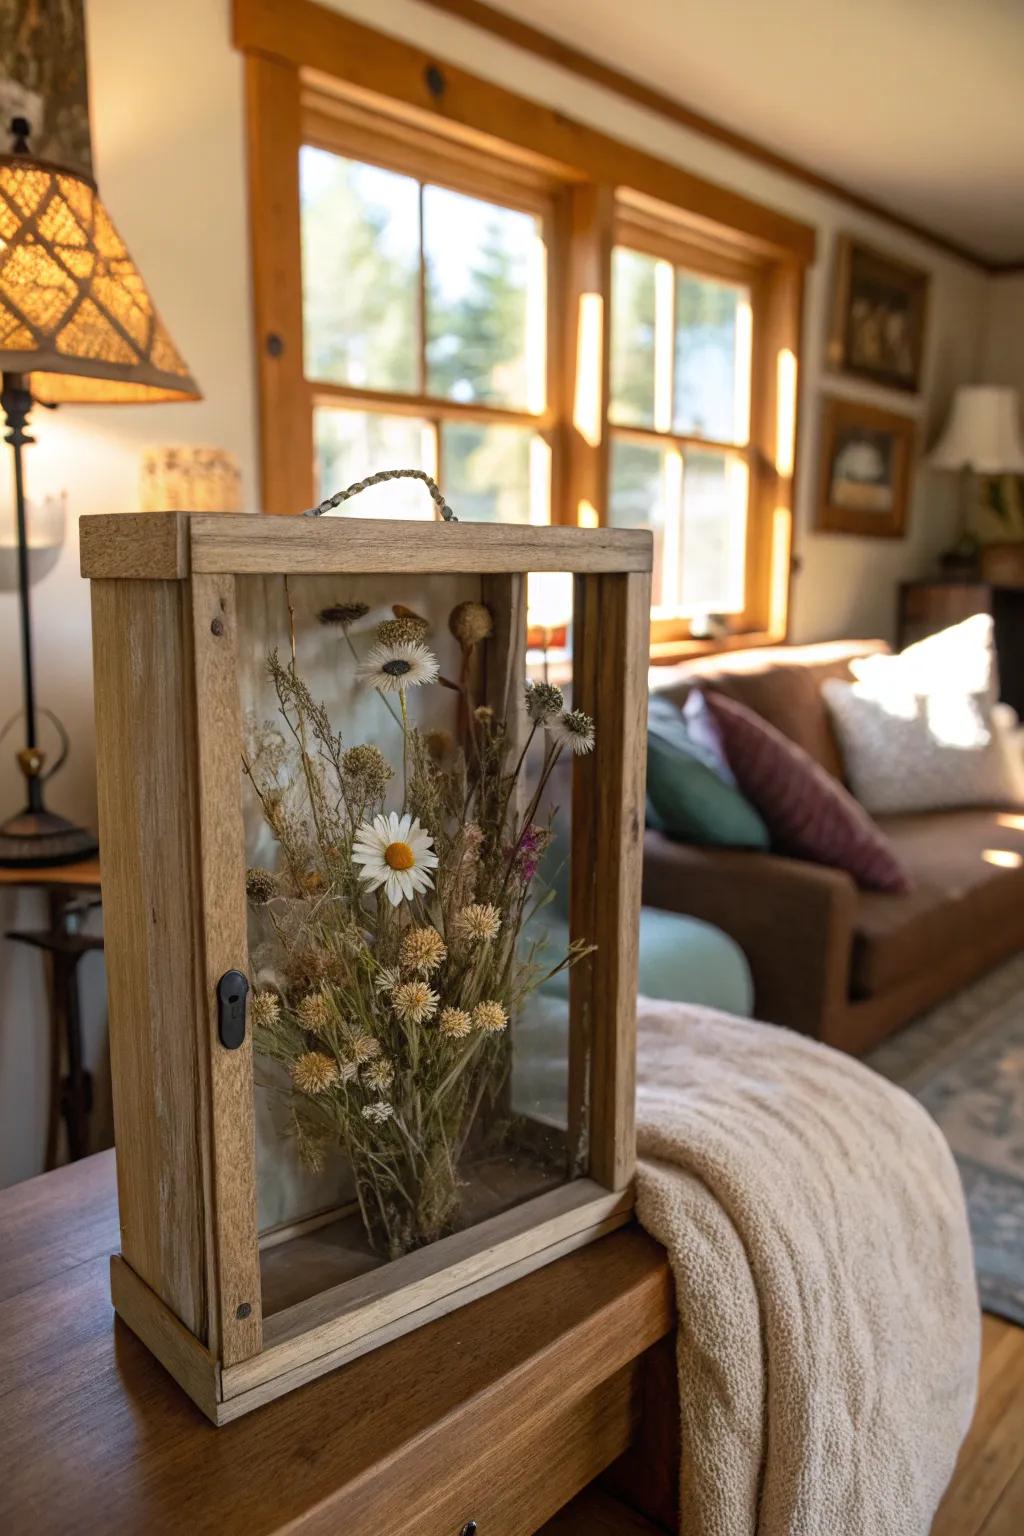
(489, 1420)
(71, 891)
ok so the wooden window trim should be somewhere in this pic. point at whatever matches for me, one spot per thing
(309, 70)
(351, 130)
(672, 235)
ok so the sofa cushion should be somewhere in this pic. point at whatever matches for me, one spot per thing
(780, 683)
(967, 869)
(918, 731)
(690, 789)
(807, 812)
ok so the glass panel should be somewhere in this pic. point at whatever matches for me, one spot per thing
(715, 493)
(713, 341)
(486, 303)
(360, 272)
(645, 494)
(495, 474)
(350, 445)
(410, 1005)
(633, 338)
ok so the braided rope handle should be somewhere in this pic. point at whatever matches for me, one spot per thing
(447, 515)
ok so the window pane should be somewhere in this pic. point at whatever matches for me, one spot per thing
(353, 444)
(632, 338)
(486, 304)
(713, 337)
(644, 494)
(360, 272)
(715, 489)
(495, 474)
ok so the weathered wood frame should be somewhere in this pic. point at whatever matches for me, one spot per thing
(187, 1280)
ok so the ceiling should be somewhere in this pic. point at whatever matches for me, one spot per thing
(915, 104)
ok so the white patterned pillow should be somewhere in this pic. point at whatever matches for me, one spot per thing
(919, 731)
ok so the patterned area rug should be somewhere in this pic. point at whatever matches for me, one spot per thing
(965, 1062)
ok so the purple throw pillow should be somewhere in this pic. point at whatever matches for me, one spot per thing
(807, 811)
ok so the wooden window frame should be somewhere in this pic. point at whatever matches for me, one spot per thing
(662, 235)
(348, 129)
(306, 64)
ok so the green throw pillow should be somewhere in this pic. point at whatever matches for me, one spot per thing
(686, 792)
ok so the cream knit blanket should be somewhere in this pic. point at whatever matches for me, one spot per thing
(828, 1315)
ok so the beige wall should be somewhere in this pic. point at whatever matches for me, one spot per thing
(168, 128)
(1003, 359)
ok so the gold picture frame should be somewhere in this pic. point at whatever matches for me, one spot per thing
(865, 469)
(879, 316)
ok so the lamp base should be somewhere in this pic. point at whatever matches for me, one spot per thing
(39, 840)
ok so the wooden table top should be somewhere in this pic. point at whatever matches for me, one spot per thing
(96, 1438)
(83, 876)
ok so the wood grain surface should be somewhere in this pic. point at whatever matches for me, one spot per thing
(499, 1413)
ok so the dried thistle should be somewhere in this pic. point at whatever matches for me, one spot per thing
(490, 1017)
(260, 886)
(343, 614)
(470, 623)
(264, 1010)
(422, 951)
(379, 1075)
(408, 628)
(477, 924)
(543, 702)
(314, 1073)
(414, 1002)
(454, 1023)
(365, 769)
(440, 745)
(378, 1112)
(314, 1013)
(361, 1045)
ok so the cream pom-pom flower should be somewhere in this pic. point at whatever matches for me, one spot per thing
(397, 853)
(573, 729)
(393, 668)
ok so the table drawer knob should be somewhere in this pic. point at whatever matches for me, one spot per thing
(469, 1529)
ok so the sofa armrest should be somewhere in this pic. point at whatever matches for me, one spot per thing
(793, 920)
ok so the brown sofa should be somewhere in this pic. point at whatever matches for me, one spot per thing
(845, 965)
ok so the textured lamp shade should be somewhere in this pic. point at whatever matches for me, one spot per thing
(75, 314)
(982, 433)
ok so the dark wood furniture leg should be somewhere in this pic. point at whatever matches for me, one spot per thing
(70, 1092)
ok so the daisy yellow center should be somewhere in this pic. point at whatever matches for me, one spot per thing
(399, 856)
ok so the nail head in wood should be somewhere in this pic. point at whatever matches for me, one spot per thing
(435, 81)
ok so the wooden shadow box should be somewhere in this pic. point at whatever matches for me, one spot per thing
(316, 1151)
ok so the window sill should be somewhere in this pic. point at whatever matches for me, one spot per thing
(666, 653)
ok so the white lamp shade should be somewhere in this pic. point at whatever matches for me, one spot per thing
(982, 433)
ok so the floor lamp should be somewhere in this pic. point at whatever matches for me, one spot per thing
(77, 325)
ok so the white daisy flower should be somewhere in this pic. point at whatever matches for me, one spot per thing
(573, 729)
(393, 668)
(395, 852)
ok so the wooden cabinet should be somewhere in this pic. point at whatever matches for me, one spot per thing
(928, 606)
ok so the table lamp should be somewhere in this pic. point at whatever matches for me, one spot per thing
(77, 325)
(982, 435)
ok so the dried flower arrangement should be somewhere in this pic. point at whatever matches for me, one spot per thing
(399, 936)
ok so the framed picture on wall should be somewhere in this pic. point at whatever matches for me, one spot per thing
(879, 315)
(866, 469)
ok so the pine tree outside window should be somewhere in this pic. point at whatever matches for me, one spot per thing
(425, 315)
